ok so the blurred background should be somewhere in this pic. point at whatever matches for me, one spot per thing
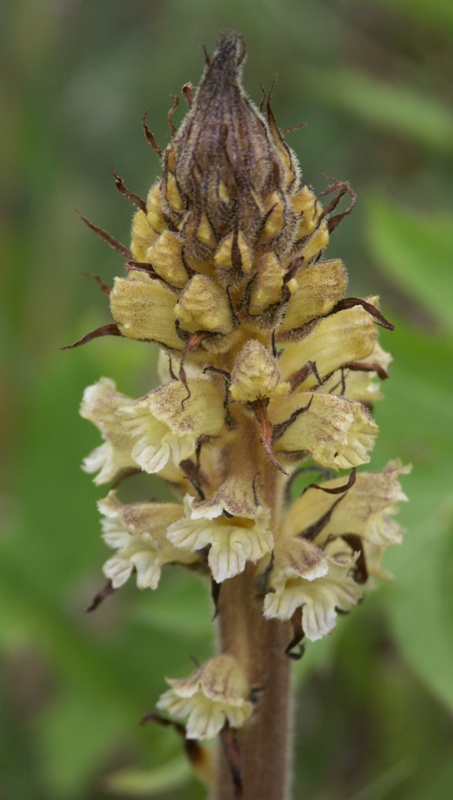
(372, 80)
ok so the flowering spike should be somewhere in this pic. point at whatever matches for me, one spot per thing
(267, 373)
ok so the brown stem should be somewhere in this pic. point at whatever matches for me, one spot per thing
(259, 645)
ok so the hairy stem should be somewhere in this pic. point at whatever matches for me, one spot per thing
(259, 645)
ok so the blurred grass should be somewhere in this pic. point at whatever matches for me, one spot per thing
(371, 79)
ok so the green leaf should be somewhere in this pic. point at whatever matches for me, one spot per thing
(421, 601)
(398, 108)
(391, 779)
(435, 13)
(416, 422)
(416, 251)
(146, 783)
(75, 737)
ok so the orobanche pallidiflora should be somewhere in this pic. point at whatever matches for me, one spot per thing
(267, 371)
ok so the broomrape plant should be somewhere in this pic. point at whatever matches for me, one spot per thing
(267, 371)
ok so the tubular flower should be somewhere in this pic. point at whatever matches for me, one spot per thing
(267, 371)
(138, 533)
(230, 523)
(327, 547)
(169, 421)
(101, 403)
(305, 576)
(213, 695)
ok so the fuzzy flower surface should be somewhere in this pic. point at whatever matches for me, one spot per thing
(138, 533)
(328, 547)
(230, 523)
(214, 694)
(268, 369)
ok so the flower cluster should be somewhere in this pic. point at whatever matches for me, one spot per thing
(268, 370)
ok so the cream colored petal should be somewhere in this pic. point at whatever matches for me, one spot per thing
(144, 309)
(335, 432)
(242, 536)
(141, 553)
(168, 422)
(115, 534)
(100, 405)
(154, 208)
(345, 337)
(256, 374)
(143, 236)
(206, 720)
(204, 306)
(319, 288)
(360, 385)
(157, 445)
(320, 598)
(365, 509)
(215, 693)
(268, 284)
(165, 257)
(118, 570)
(148, 568)
(233, 546)
(138, 532)
(191, 534)
(108, 460)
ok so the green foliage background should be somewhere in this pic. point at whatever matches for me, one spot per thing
(371, 80)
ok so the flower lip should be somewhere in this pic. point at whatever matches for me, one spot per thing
(138, 533)
(167, 430)
(215, 693)
(241, 534)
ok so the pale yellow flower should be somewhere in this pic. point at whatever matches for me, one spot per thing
(215, 694)
(230, 523)
(330, 543)
(318, 289)
(366, 509)
(256, 374)
(138, 532)
(204, 306)
(335, 432)
(100, 405)
(144, 309)
(344, 337)
(305, 576)
(169, 422)
(360, 384)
